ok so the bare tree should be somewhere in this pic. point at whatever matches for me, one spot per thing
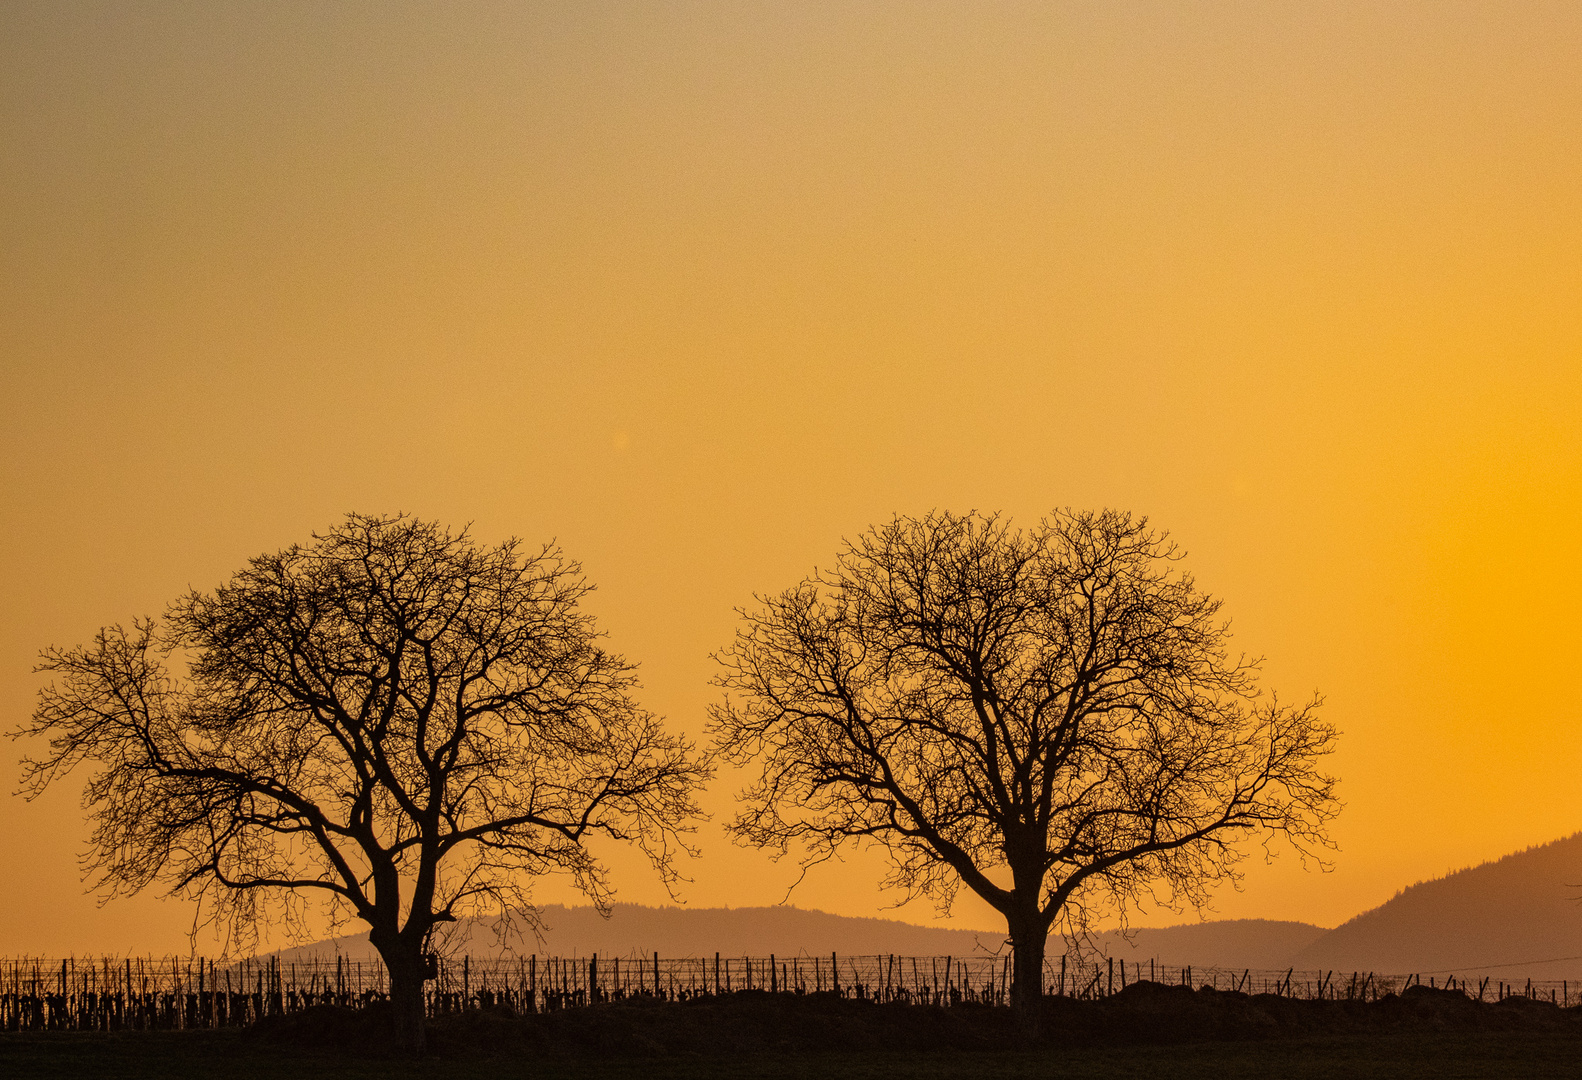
(1050, 717)
(392, 719)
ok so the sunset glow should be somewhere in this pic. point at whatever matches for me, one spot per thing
(699, 290)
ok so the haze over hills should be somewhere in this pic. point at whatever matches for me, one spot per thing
(1519, 916)
(633, 929)
(1263, 944)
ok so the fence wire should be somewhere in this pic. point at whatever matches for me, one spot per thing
(131, 993)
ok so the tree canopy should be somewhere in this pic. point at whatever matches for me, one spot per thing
(1050, 717)
(392, 718)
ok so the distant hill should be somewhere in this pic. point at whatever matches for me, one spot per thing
(1226, 943)
(636, 930)
(1516, 917)
(633, 929)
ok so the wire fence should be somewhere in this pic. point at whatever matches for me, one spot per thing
(129, 993)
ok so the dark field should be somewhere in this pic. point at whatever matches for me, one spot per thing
(1149, 1031)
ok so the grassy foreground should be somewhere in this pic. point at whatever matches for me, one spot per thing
(1147, 1031)
(230, 1056)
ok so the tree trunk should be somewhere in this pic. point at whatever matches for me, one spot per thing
(1028, 936)
(404, 962)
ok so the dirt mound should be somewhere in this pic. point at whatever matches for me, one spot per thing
(758, 1023)
(750, 1022)
(329, 1027)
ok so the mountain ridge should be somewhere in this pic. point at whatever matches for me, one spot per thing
(786, 931)
(1519, 915)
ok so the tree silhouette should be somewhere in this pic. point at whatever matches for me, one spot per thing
(1049, 717)
(392, 719)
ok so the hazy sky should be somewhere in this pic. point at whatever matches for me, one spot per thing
(701, 288)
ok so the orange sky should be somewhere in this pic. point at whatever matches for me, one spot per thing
(702, 288)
